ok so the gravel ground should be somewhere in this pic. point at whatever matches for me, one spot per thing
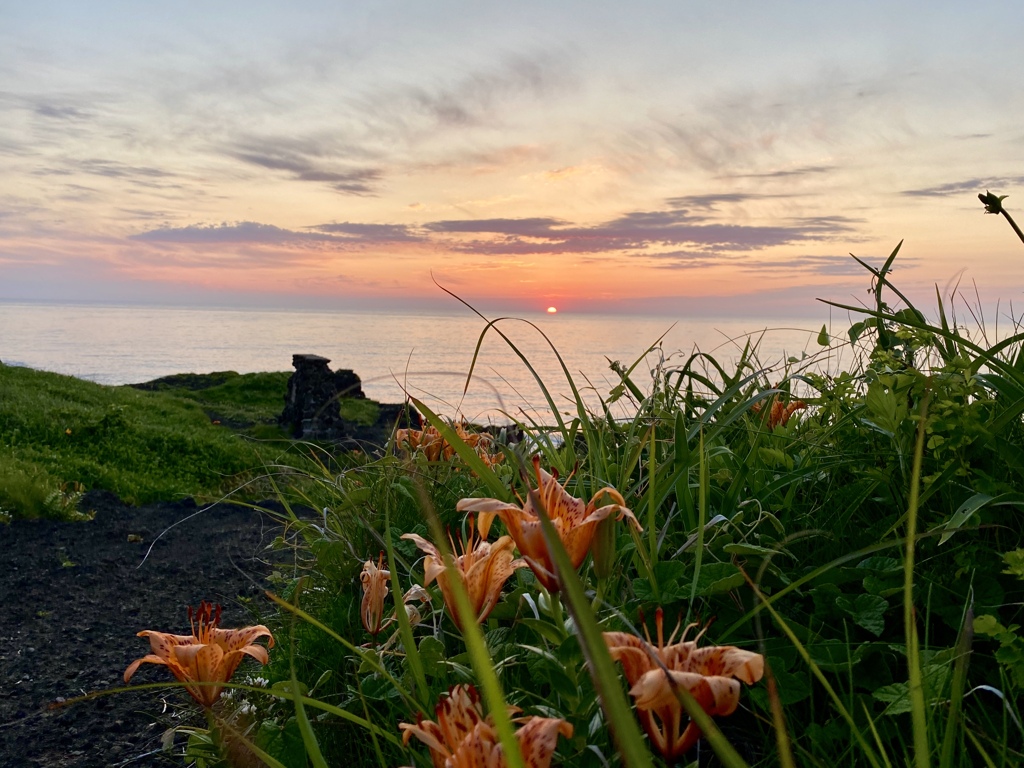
(72, 597)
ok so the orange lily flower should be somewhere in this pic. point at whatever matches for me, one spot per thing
(431, 443)
(375, 579)
(710, 674)
(208, 655)
(463, 738)
(575, 522)
(780, 413)
(482, 567)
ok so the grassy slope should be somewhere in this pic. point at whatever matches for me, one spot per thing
(59, 435)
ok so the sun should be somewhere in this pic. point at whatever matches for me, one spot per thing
(552, 310)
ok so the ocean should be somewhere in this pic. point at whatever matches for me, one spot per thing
(425, 355)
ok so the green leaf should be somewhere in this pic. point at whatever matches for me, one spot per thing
(823, 339)
(867, 611)
(741, 548)
(987, 624)
(881, 564)
(716, 578)
(643, 591)
(309, 741)
(830, 654)
(887, 411)
(668, 576)
(963, 514)
(897, 696)
(883, 587)
(792, 688)
(858, 328)
(432, 654)
(1014, 563)
(545, 629)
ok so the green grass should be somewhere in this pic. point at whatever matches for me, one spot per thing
(243, 401)
(60, 435)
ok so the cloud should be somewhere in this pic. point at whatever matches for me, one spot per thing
(784, 173)
(399, 120)
(638, 232)
(964, 187)
(530, 227)
(798, 265)
(136, 175)
(482, 97)
(342, 234)
(804, 264)
(241, 232)
(60, 111)
(377, 233)
(115, 170)
(303, 165)
(711, 202)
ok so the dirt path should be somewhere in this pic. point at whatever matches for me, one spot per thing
(72, 597)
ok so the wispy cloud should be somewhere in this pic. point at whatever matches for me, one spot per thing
(240, 232)
(378, 233)
(783, 130)
(146, 176)
(785, 173)
(341, 235)
(964, 187)
(60, 111)
(309, 162)
(809, 264)
(481, 97)
(711, 202)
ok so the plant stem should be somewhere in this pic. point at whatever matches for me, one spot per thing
(1013, 224)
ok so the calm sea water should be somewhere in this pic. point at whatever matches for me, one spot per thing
(427, 355)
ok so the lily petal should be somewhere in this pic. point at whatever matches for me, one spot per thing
(147, 659)
(210, 655)
(538, 739)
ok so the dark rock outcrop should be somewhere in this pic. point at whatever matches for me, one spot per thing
(311, 408)
(311, 403)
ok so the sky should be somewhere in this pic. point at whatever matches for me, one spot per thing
(658, 157)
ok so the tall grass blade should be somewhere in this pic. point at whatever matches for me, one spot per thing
(412, 653)
(309, 741)
(981, 750)
(782, 741)
(956, 697)
(702, 516)
(652, 499)
(919, 715)
(875, 735)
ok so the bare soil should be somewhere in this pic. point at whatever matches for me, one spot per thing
(73, 596)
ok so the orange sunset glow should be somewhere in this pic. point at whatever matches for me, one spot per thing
(344, 157)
